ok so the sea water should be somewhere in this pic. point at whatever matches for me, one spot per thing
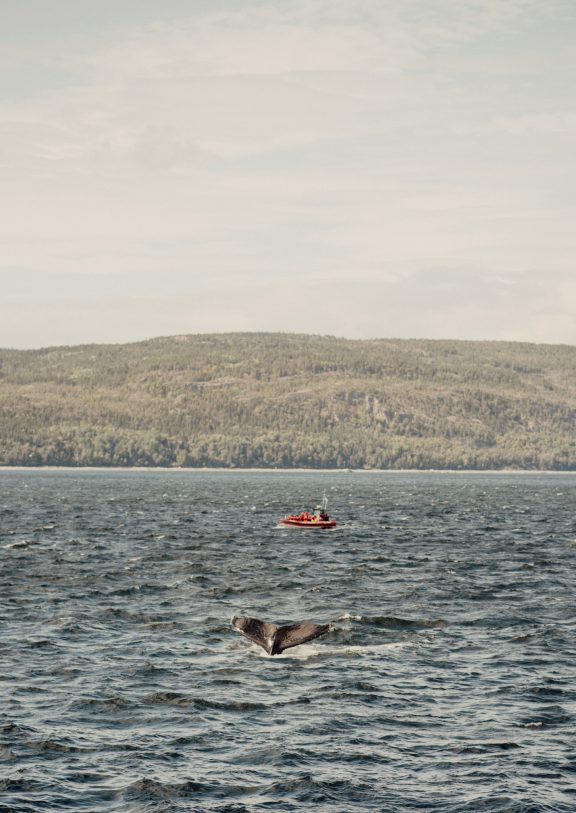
(448, 681)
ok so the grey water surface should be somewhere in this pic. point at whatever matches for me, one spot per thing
(447, 684)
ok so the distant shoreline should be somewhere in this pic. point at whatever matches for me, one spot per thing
(213, 470)
(256, 401)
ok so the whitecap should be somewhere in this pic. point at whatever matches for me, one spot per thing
(22, 543)
(348, 617)
(306, 652)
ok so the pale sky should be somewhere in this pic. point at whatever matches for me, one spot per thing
(360, 168)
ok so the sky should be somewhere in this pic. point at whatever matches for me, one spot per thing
(357, 168)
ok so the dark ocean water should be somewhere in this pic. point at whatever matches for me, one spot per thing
(448, 683)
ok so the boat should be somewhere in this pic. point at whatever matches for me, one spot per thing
(319, 519)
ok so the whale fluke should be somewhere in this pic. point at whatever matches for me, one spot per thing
(275, 639)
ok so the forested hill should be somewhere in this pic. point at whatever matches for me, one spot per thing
(290, 401)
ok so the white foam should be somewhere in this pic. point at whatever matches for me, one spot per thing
(306, 652)
(348, 617)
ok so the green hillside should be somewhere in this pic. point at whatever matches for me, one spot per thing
(289, 401)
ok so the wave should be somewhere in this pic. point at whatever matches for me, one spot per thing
(507, 804)
(20, 543)
(111, 702)
(391, 621)
(311, 790)
(547, 717)
(149, 789)
(169, 699)
(487, 747)
(41, 643)
(159, 622)
(348, 617)
(178, 699)
(16, 730)
(395, 623)
(52, 746)
(306, 652)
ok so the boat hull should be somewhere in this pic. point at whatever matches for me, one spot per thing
(303, 523)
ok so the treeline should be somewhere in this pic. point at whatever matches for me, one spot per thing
(280, 400)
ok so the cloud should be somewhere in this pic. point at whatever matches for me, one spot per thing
(304, 36)
(257, 40)
(353, 142)
(466, 302)
(208, 85)
(550, 123)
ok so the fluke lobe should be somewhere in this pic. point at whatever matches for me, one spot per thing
(275, 639)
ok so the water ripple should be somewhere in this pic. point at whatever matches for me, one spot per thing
(446, 683)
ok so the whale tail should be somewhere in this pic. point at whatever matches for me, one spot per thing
(275, 639)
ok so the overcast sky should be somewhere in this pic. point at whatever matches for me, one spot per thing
(360, 168)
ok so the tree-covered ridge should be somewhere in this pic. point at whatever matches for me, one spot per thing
(290, 400)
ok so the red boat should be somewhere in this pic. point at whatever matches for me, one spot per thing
(319, 519)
